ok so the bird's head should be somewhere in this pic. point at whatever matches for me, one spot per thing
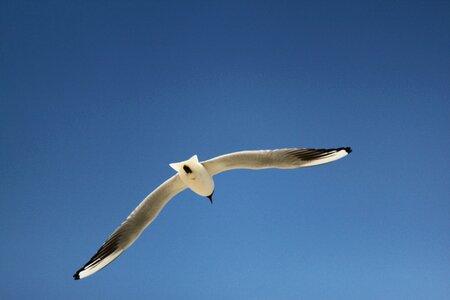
(195, 176)
(188, 168)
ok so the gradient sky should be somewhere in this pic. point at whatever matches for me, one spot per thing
(98, 97)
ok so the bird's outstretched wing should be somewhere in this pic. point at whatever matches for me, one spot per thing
(132, 227)
(280, 158)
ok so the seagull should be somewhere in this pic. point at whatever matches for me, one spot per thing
(198, 176)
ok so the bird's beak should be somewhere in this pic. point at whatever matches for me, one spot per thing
(210, 198)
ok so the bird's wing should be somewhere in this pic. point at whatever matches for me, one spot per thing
(280, 158)
(132, 227)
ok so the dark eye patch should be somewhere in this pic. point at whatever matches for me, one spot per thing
(187, 169)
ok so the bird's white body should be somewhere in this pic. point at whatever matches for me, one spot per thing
(195, 176)
(198, 176)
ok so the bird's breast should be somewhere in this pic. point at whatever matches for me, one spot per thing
(200, 182)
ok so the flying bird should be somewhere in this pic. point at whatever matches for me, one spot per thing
(198, 176)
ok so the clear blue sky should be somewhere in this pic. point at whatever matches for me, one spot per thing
(98, 97)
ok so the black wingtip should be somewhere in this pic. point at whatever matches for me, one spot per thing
(346, 149)
(76, 276)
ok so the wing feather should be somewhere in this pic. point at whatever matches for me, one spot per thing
(132, 227)
(280, 158)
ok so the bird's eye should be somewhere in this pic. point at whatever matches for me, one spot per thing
(187, 169)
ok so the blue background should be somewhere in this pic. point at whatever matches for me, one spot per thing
(98, 97)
